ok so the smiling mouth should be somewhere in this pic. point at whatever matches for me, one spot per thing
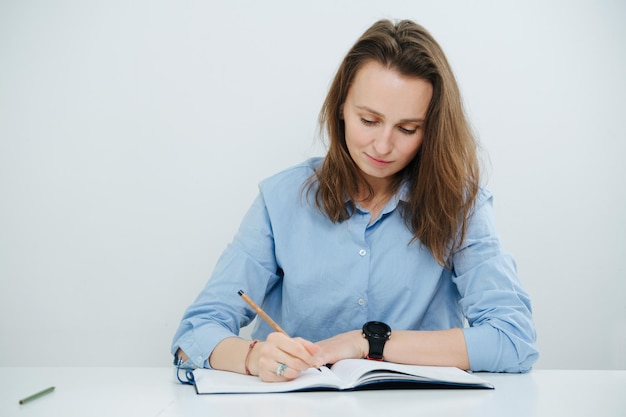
(378, 162)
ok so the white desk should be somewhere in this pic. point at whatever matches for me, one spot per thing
(138, 392)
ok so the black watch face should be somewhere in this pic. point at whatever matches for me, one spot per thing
(378, 329)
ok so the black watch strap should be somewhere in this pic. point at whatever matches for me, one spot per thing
(376, 349)
(377, 334)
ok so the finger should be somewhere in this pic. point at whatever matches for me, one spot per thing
(276, 372)
(292, 362)
(275, 351)
(293, 348)
(304, 350)
(311, 347)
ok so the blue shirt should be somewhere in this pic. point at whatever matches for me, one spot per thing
(317, 279)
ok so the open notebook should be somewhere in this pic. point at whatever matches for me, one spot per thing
(348, 374)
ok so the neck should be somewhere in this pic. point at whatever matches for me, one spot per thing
(381, 188)
(382, 191)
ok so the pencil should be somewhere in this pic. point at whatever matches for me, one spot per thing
(37, 395)
(260, 312)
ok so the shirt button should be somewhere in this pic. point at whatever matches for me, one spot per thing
(362, 252)
(200, 359)
(361, 301)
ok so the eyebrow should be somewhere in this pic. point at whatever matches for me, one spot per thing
(374, 112)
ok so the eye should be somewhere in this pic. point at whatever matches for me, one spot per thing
(368, 122)
(408, 131)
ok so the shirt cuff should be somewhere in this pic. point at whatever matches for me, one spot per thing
(489, 349)
(198, 344)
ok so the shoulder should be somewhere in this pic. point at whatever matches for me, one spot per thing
(484, 196)
(284, 193)
(290, 179)
(481, 219)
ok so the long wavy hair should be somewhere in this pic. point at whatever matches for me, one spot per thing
(443, 178)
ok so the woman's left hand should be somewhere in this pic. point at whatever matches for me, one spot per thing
(349, 345)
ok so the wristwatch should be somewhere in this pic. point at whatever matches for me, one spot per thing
(376, 333)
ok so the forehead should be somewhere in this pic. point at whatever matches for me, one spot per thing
(387, 91)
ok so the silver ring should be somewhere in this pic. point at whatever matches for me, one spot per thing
(280, 369)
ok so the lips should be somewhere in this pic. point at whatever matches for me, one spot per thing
(377, 162)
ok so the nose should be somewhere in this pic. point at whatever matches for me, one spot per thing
(383, 143)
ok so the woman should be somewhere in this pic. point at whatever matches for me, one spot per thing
(386, 248)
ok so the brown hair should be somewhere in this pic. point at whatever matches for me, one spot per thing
(443, 178)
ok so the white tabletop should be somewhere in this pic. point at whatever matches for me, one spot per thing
(155, 392)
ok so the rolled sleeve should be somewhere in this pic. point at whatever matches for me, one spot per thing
(501, 336)
(218, 312)
(198, 342)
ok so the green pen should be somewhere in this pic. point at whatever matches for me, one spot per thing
(37, 395)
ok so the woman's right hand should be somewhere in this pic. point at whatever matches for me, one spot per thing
(296, 354)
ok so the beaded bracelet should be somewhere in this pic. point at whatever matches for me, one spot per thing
(254, 342)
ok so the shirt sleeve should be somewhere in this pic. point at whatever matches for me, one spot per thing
(247, 264)
(501, 334)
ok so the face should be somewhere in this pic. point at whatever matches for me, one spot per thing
(384, 115)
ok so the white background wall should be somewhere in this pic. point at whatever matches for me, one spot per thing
(133, 134)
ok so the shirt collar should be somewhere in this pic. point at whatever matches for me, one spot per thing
(402, 194)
